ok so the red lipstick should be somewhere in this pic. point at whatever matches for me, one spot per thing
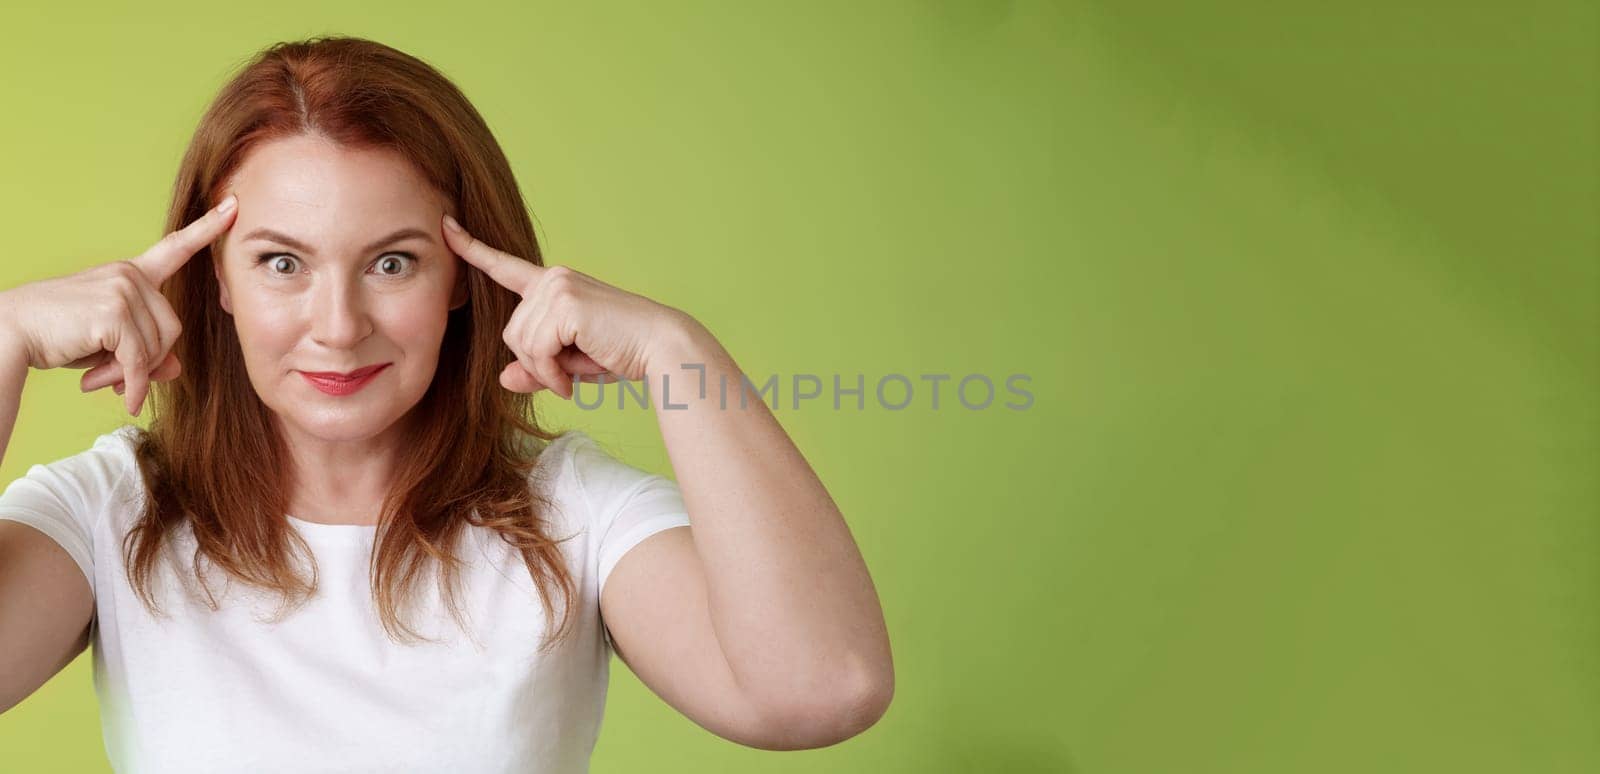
(335, 383)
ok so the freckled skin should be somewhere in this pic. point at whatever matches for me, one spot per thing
(337, 306)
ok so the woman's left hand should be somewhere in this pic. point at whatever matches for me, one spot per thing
(568, 322)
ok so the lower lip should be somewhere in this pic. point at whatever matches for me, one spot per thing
(341, 386)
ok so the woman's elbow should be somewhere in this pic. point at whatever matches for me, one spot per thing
(845, 713)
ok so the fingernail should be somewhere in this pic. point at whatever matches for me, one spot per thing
(450, 223)
(228, 204)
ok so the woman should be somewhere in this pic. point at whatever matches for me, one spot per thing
(345, 542)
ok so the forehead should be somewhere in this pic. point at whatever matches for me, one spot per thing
(314, 187)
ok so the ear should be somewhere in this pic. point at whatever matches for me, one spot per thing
(222, 287)
(458, 296)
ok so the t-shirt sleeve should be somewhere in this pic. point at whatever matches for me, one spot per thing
(626, 504)
(66, 499)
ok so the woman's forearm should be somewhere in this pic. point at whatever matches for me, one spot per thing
(13, 375)
(791, 600)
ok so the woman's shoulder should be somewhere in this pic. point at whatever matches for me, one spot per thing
(596, 474)
(113, 457)
(112, 453)
(560, 465)
(82, 487)
(588, 461)
(123, 439)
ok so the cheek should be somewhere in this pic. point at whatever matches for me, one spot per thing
(414, 317)
(267, 323)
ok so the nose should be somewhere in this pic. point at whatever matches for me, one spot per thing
(339, 318)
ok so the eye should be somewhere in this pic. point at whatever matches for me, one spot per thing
(394, 264)
(281, 264)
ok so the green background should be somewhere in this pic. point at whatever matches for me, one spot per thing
(1310, 299)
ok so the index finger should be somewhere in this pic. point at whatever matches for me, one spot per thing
(518, 274)
(164, 258)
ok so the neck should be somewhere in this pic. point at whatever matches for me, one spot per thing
(340, 481)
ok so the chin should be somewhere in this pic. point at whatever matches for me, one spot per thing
(346, 428)
(358, 417)
(338, 425)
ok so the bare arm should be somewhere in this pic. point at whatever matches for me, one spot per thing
(760, 622)
(13, 373)
(112, 319)
(45, 602)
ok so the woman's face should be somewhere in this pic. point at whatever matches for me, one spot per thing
(336, 262)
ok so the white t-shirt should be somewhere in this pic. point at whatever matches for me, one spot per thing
(325, 689)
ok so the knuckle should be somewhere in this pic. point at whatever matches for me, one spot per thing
(563, 284)
(122, 281)
(117, 305)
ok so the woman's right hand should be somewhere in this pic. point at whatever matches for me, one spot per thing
(112, 318)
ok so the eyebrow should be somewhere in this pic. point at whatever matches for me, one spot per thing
(289, 241)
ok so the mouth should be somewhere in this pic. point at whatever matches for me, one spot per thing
(356, 374)
(336, 383)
